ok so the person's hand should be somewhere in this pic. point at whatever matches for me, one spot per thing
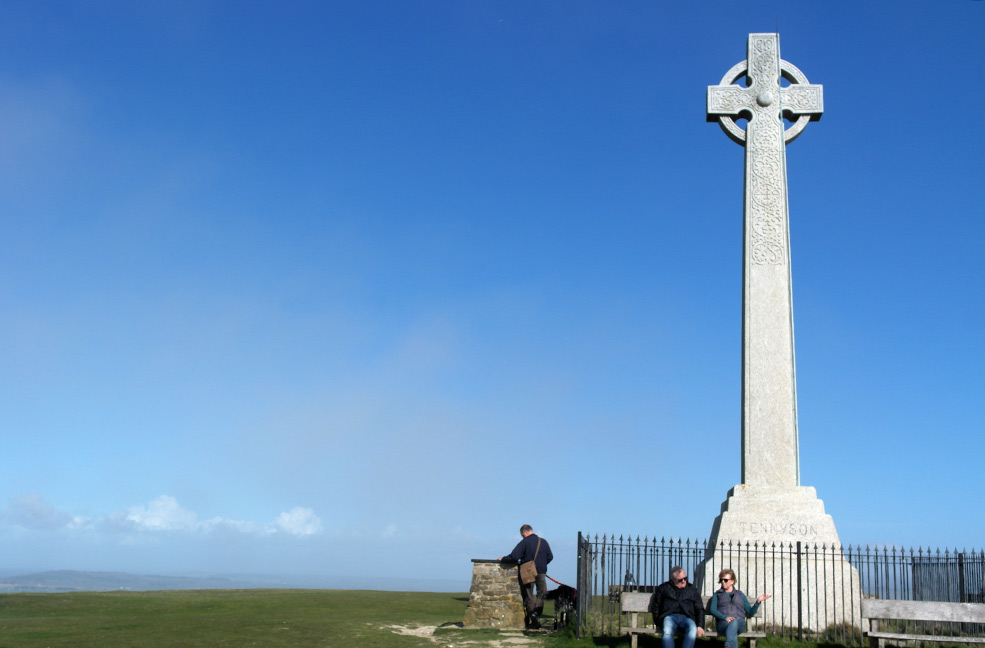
(701, 632)
(762, 597)
(729, 619)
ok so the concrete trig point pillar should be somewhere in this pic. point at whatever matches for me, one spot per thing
(770, 505)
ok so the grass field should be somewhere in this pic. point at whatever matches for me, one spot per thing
(273, 619)
(241, 618)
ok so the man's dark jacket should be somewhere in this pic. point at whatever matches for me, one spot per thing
(668, 599)
(524, 551)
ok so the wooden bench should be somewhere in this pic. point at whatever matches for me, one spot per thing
(874, 610)
(636, 603)
(615, 591)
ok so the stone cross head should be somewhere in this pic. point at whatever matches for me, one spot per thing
(764, 98)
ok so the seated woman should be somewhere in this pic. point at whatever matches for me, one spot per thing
(731, 608)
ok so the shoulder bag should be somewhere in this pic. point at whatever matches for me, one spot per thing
(528, 570)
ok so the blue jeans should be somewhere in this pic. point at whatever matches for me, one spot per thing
(731, 631)
(675, 622)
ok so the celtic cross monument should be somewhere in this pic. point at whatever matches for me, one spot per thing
(770, 506)
(769, 394)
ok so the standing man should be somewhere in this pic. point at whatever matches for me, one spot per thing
(676, 606)
(539, 551)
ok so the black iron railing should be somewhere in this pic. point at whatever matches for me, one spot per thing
(817, 588)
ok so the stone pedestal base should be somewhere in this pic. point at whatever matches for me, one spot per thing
(495, 600)
(781, 542)
(769, 514)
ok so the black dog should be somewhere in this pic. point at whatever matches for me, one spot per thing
(564, 598)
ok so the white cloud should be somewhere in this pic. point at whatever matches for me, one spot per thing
(33, 512)
(299, 521)
(163, 514)
(246, 527)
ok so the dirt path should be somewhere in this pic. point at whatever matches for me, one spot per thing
(505, 639)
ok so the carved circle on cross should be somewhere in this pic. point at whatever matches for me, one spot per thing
(788, 71)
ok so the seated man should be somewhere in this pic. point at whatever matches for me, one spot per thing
(676, 606)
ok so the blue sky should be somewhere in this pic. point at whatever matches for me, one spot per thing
(299, 287)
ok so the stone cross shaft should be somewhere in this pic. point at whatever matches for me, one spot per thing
(770, 454)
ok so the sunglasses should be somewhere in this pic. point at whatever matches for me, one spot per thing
(724, 580)
(680, 580)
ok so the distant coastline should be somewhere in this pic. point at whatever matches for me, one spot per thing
(93, 581)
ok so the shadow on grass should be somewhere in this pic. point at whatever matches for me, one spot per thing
(646, 641)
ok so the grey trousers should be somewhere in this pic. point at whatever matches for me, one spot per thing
(530, 602)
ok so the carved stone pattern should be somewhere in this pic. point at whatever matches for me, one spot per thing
(729, 100)
(801, 98)
(768, 229)
(765, 60)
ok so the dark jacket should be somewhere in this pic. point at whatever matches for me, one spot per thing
(524, 551)
(668, 599)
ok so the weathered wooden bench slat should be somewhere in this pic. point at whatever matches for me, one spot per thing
(923, 610)
(915, 637)
(874, 610)
(636, 603)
